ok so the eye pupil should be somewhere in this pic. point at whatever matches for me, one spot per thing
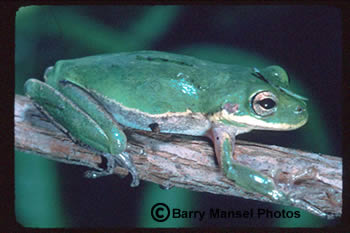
(267, 103)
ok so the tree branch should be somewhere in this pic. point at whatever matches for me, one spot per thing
(313, 181)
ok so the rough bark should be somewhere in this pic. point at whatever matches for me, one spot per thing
(313, 181)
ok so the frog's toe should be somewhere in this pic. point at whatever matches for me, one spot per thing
(124, 160)
(135, 178)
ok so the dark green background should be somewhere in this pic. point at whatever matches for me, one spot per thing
(305, 40)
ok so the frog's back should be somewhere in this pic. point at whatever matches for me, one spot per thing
(150, 81)
(153, 82)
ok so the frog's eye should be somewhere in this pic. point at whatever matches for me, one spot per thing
(264, 103)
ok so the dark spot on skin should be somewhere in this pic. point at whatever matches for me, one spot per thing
(162, 60)
(63, 82)
(217, 138)
(154, 127)
(231, 108)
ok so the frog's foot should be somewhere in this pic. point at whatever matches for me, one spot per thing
(123, 160)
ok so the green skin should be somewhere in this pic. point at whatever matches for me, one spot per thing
(148, 90)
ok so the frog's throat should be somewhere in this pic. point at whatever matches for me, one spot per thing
(253, 122)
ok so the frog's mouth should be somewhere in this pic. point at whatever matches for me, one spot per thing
(261, 124)
(255, 123)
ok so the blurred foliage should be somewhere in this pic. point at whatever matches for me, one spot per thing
(38, 201)
(303, 39)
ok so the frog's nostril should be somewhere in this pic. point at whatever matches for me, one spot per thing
(299, 109)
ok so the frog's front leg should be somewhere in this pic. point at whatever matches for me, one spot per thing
(245, 177)
(86, 120)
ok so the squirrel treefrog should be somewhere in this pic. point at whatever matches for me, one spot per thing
(89, 97)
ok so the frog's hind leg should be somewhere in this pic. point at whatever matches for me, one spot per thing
(76, 111)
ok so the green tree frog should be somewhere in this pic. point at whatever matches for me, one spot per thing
(89, 98)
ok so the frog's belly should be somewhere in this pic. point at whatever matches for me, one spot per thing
(188, 123)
